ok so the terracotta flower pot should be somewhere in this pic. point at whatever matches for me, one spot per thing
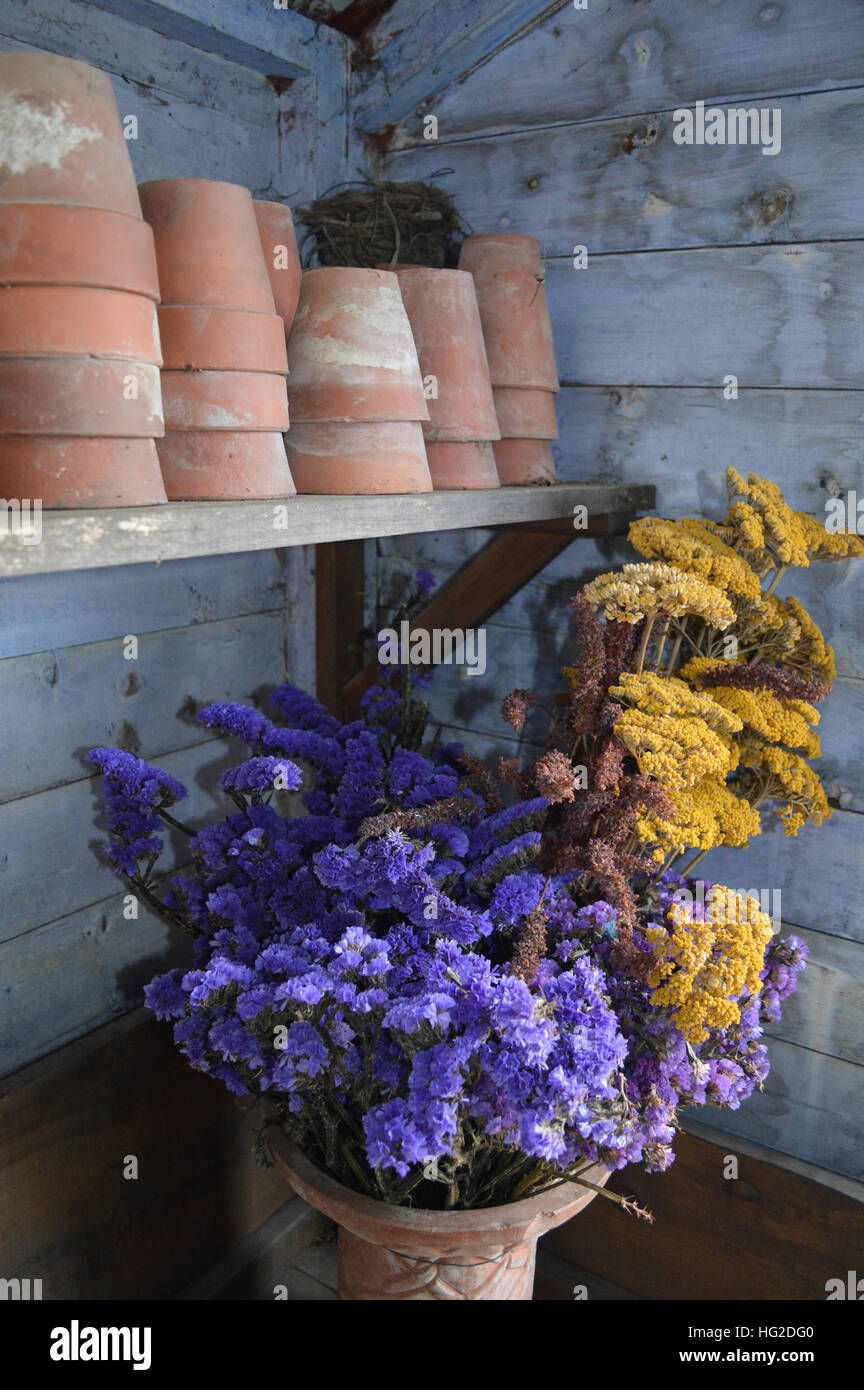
(524, 461)
(59, 321)
(232, 340)
(62, 141)
(207, 244)
(216, 464)
(52, 244)
(224, 401)
(461, 465)
(279, 244)
(80, 396)
(445, 320)
(377, 457)
(351, 354)
(525, 414)
(388, 1252)
(508, 274)
(81, 472)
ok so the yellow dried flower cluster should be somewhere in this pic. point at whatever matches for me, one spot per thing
(639, 591)
(785, 778)
(812, 653)
(828, 545)
(691, 545)
(678, 752)
(760, 500)
(706, 815)
(777, 721)
(703, 969)
(666, 695)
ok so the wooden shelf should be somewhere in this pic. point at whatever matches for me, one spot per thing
(75, 540)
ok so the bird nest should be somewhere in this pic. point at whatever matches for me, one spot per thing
(371, 224)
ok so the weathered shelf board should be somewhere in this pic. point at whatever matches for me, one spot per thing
(631, 188)
(554, 63)
(135, 535)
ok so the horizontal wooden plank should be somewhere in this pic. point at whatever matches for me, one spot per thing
(159, 68)
(630, 187)
(58, 704)
(135, 535)
(769, 1234)
(810, 1108)
(63, 610)
(809, 442)
(824, 1014)
(819, 873)
(608, 60)
(262, 37)
(67, 1127)
(772, 316)
(272, 1257)
(62, 980)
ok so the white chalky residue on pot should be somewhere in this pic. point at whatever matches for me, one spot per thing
(385, 317)
(30, 135)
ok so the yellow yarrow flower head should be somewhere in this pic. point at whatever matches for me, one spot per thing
(828, 545)
(691, 546)
(676, 751)
(704, 969)
(811, 652)
(783, 536)
(639, 591)
(706, 815)
(775, 720)
(785, 778)
(656, 694)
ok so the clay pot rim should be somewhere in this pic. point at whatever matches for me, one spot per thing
(525, 1219)
(501, 236)
(354, 270)
(221, 183)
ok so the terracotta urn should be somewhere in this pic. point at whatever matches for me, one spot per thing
(221, 465)
(388, 1252)
(509, 278)
(207, 244)
(456, 465)
(279, 244)
(207, 339)
(442, 309)
(62, 140)
(64, 321)
(82, 472)
(523, 462)
(351, 353)
(525, 414)
(56, 244)
(224, 401)
(381, 456)
(80, 396)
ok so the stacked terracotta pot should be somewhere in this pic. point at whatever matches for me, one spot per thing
(508, 275)
(80, 402)
(445, 320)
(356, 393)
(223, 381)
(279, 244)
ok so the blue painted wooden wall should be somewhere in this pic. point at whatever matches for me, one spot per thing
(703, 261)
(218, 628)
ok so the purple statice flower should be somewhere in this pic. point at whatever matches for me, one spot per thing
(424, 581)
(303, 711)
(235, 721)
(261, 775)
(785, 958)
(134, 794)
